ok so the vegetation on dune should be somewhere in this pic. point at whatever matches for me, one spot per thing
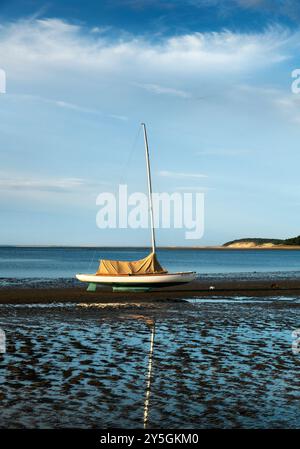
(260, 241)
(292, 241)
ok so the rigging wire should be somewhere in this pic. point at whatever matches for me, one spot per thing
(122, 178)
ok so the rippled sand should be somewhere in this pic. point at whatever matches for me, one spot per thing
(224, 363)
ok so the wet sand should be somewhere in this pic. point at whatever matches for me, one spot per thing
(226, 365)
(196, 289)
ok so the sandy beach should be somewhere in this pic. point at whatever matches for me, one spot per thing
(196, 289)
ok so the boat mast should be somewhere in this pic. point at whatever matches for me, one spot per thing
(149, 188)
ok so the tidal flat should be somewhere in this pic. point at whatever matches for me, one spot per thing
(215, 363)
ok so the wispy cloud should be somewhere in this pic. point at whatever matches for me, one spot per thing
(180, 175)
(123, 118)
(67, 105)
(46, 192)
(76, 70)
(289, 105)
(284, 102)
(28, 47)
(223, 152)
(35, 184)
(50, 185)
(193, 189)
(78, 108)
(101, 30)
(74, 107)
(162, 90)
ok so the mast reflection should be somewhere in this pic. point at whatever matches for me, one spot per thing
(151, 325)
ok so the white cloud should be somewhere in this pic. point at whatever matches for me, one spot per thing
(79, 108)
(18, 182)
(181, 175)
(75, 107)
(100, 30)
(67, 105)
(58, 184)
(82, 70)
(45, 44)
(162, 90)
(123, 118)
(283, 101)
(289, 105)
(47, 192)
(193, 189)
(224, 152)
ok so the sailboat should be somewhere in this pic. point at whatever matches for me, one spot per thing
(142, 274)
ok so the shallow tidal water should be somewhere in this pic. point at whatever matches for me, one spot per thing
(217, 363)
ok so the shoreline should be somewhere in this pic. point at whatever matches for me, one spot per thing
(196, 289)
(171, 248)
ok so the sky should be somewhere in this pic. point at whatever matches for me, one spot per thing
(210, 78)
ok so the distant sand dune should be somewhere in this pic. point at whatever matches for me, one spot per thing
(250, 245)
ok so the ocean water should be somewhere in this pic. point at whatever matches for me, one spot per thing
(215, 363)
(64, 263)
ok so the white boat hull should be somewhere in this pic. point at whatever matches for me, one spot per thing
(139, 280)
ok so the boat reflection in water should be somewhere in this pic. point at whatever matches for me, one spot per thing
(151, 325)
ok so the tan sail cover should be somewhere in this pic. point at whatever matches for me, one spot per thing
(148, 265)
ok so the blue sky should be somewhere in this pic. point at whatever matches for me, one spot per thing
(212, 79)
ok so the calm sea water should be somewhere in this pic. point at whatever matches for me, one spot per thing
(54, 263)
(225, 363)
